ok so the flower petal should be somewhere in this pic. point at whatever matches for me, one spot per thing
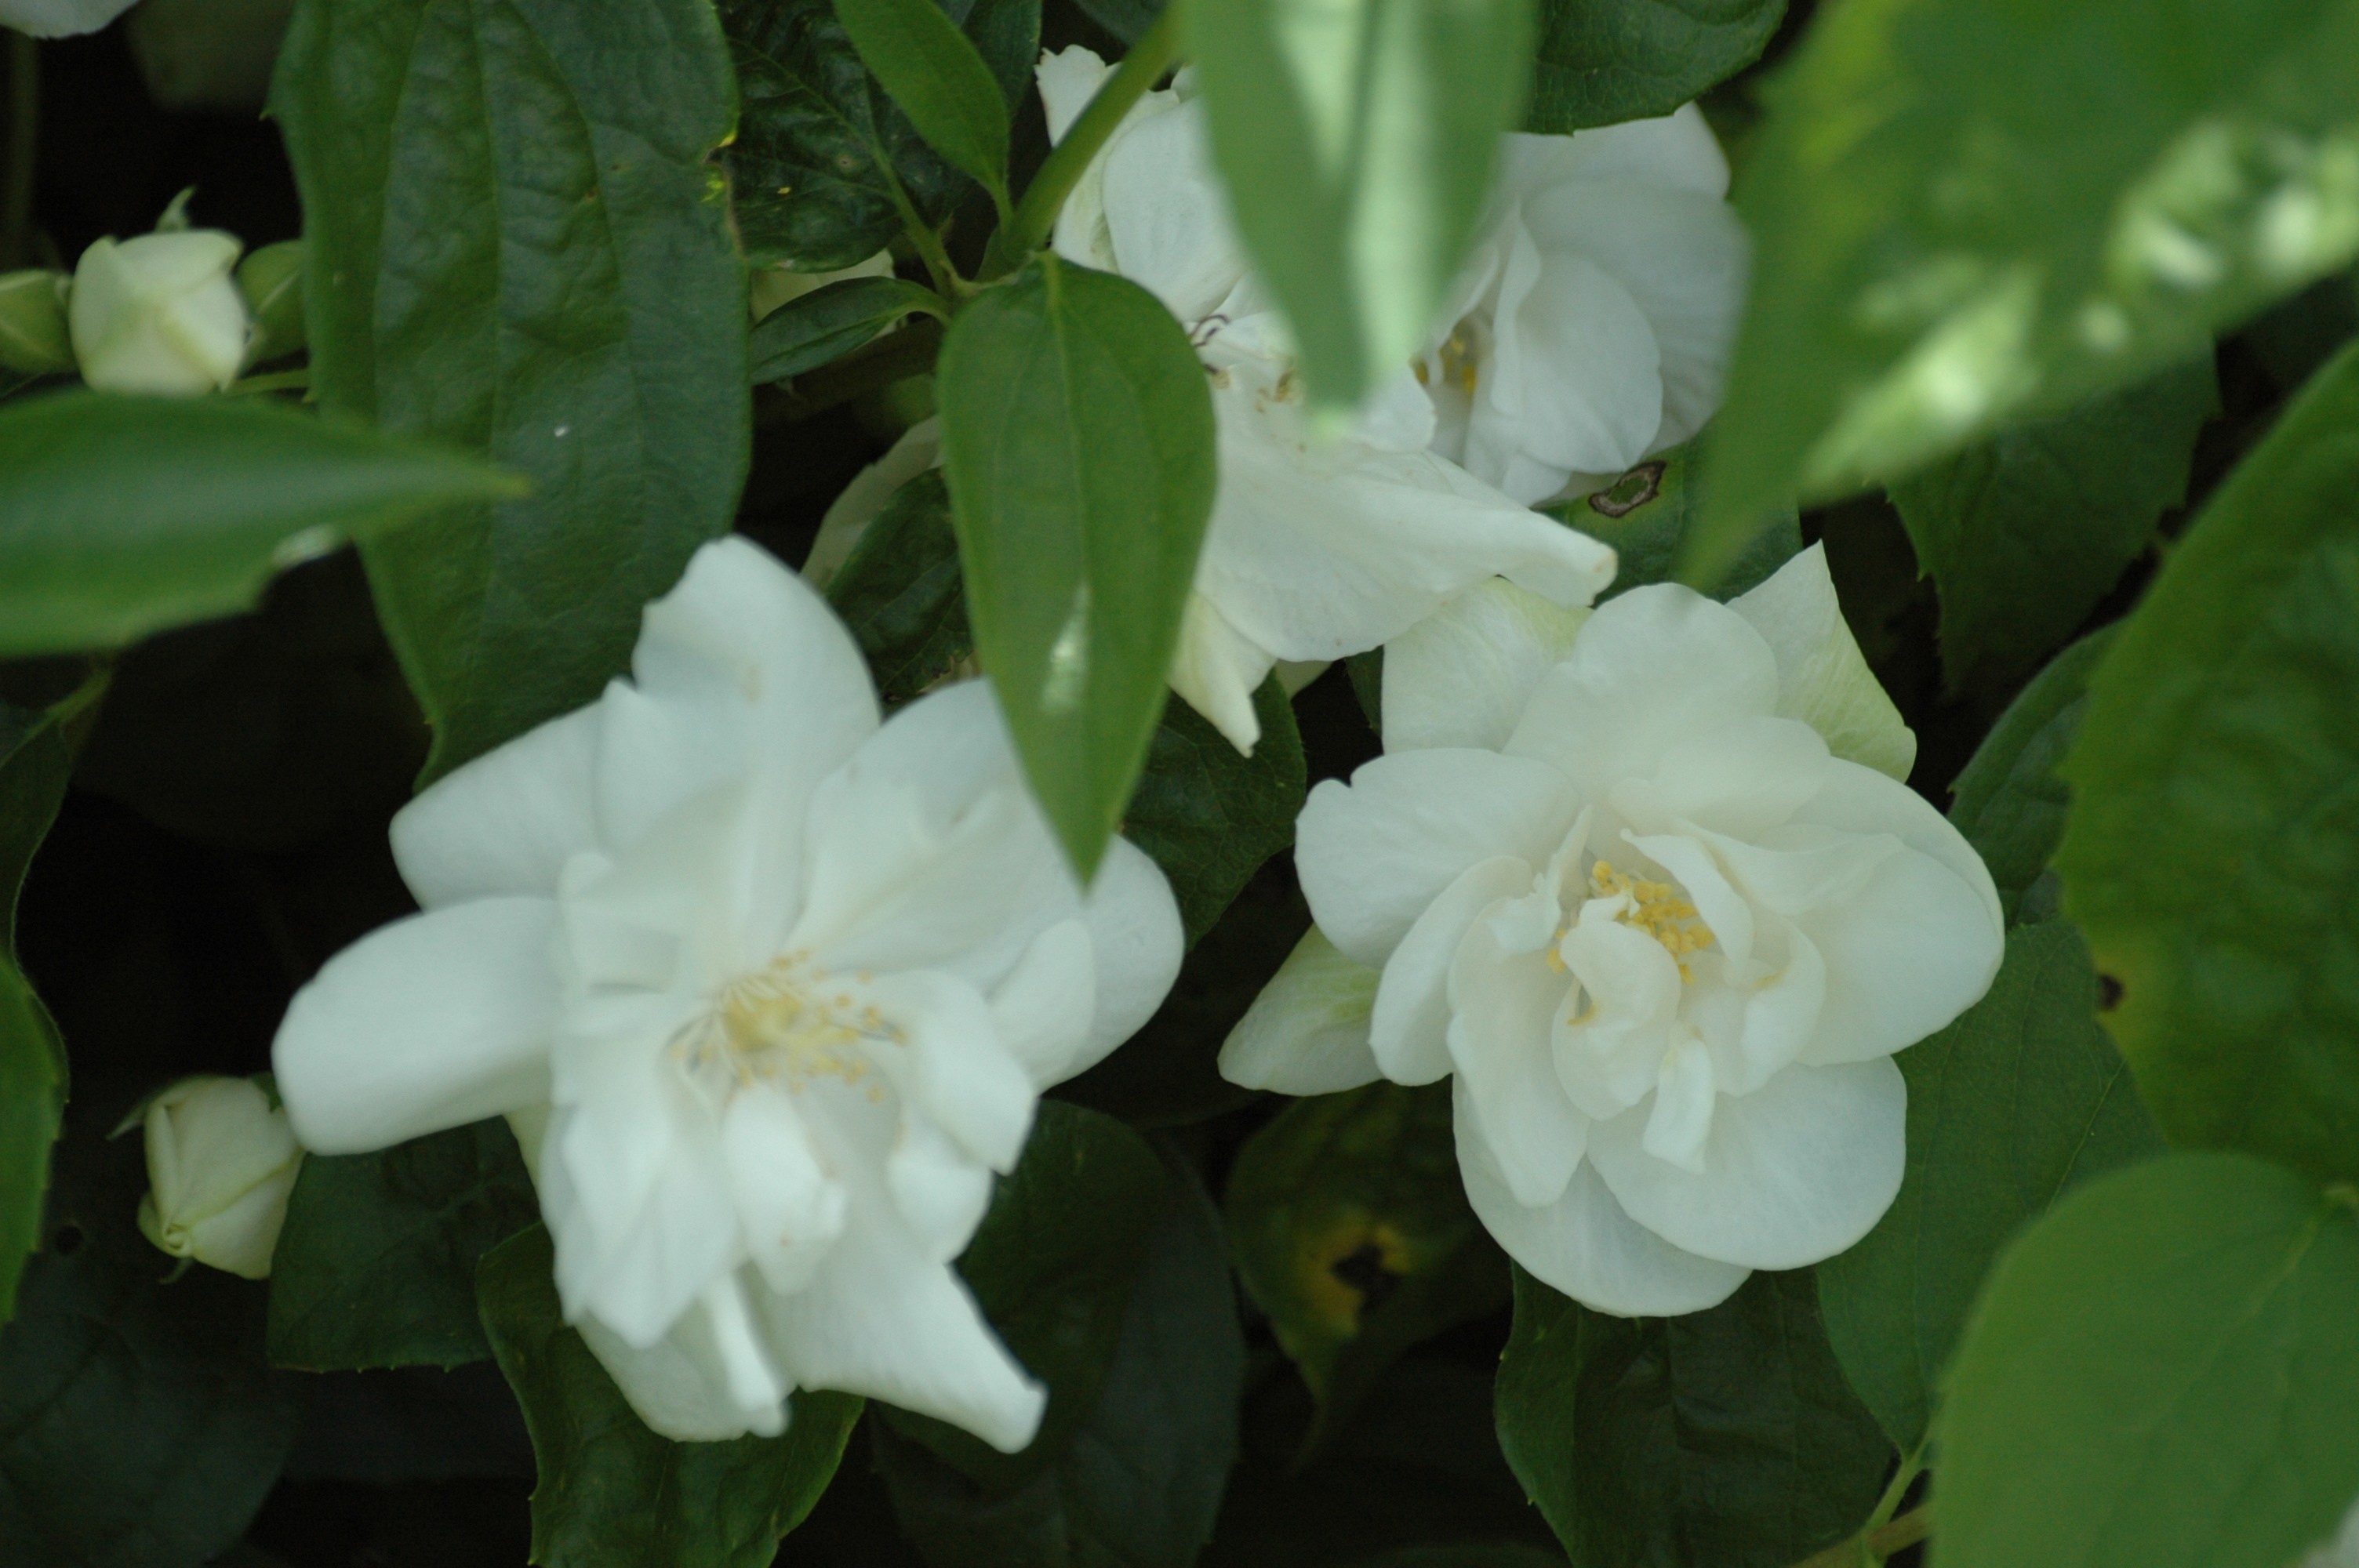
(1653, 667)
(1906, 954)
(637, 1254)
(1461, 676)
(959, 1074)
(1794, 1173)
(1741, 776)
(1608, 1054)
(506, 822)
(789, 1209)
(1677, 151)
(1583, 1245)
(1307, 1033)
(1504, 1008)
(1167, 215)
(848, 516)
(1068, 80)
(1137, 942)
(1822, 677)
(681, 1385)
(938, 1189)
(1410, 1028)
(1043, 1010)
(1216, 669)
(1856, 799)
(1373, 854)
(432, 1022)
(1575, 380)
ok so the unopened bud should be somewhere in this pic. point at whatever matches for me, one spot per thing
(272, 281)
(159, 313)
(33, 337)
(221, 1162)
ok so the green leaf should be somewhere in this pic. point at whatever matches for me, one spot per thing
(828, 322)
(1077, 436)
(1140, 1482)
(1125, 19)
(2215, 835)
(901, 593)
(1053, 1264)
(2009, 802)
(1209, 816)
(1635, 59)
(613, 1494)
(35, 763)
(1967, 214)
(2160, 1376)
(1725, 1437)
(1649, 513)
(823, 159)
(125, 515)
(935, 77)
(1351, 1230)
(2025, 534)
(514, 241)
(376, 1264)
(139, 1427)
(1357, 140)
(2017, 1101)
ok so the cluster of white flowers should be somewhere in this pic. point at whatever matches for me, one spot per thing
(768, 985)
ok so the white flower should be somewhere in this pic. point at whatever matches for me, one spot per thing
(221, 1160)
(1596, 320)
(160, 313)
(1317, 547)
(1626, 875)
(59, 18)
(768, 991)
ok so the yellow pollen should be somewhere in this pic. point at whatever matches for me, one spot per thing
(1656, 909)
(773, 1026)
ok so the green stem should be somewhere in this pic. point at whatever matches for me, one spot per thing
(23, 132)
(922, 239)
(1140, 69)
(277, 380)
(1901, 1534)
(1902, 1479)
(894, 357)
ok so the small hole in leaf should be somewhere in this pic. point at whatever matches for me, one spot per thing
(2109, 993)
(68, 1239)
(1364, 1270)
(1629, 492)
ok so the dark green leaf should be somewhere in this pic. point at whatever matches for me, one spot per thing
(813, 329)
(1725, 1437)
(1140, 1483)
(2214, 842)
(1967, 214)
(2016, 1101)
(34, 766)
(514, 241)
(1352, 1231)
(2025, 534)
(820, 149)
(2160, 1376)
(1077, 436)
(376, 1264)
(613, 1494)
(1125, 19)
(124, 515)
(1357, 140)
(936, 77)
(139, 1427)
(1209, 816)
(1649, 513)
(2009, 802)
(899, 591)
(1053, 1264)
(1601, 64)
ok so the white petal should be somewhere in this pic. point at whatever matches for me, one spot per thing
(1504, 1008)
(1462, 676)
(1307, 1033)
(885, 1321)
(1607, 1056)
(1743, 776)
(789, 1207)
(1796, 881)
(1653, 667)
(432, 1022)
(1372, 855)
(959, 1074)
(1781, 1018)
(506, 822)
(1822, 677)
(1410, 1028)
(938, 1189)
(1794, 1173)
(680, 1386)
(1583, 1245)
(1043, 1010)
(1216, 670)
(1068, 80)
(848, 516)
(1676, 150)
(1854, 799)
(637, 1266)
(1167, 214)
(1575, 380)
(1137, 942)
(1684, 1095)
(1906, 954)
(1723, 910)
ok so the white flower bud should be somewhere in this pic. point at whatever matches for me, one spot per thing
(159, 313)
(221, 1162)
(272, 281)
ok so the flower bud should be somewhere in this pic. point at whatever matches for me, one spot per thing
(33, 338)
(159, 313)
(221, 1162)
(272, 281)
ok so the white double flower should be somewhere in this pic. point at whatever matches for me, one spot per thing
(769, 990)
(1645, 881)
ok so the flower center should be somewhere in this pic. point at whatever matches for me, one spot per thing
(1454, 362)
(1654, 908)
(787, 1023)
